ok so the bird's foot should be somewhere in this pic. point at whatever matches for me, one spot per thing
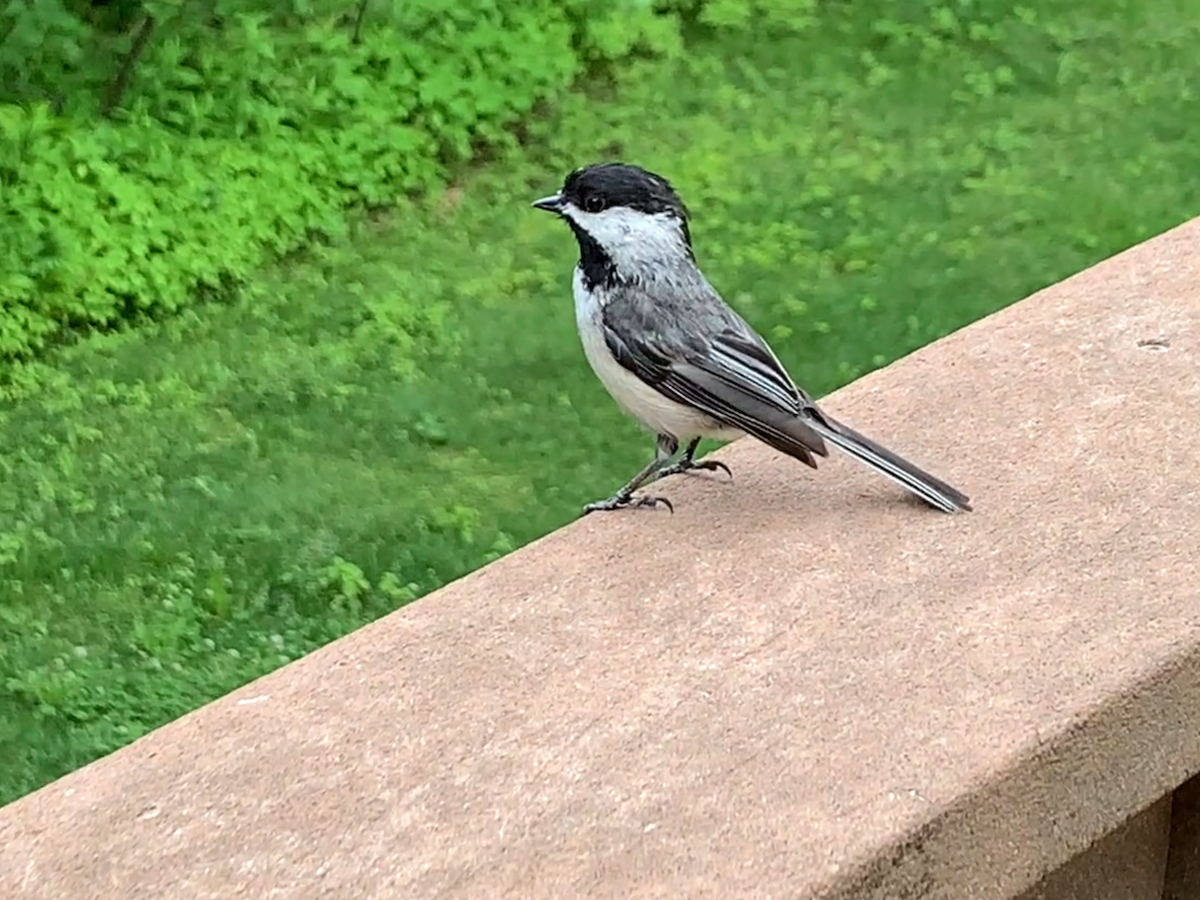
(628, 501)
(687, 465)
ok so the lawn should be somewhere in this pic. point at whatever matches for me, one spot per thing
(188, 505)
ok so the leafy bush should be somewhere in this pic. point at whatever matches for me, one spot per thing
(180, 152)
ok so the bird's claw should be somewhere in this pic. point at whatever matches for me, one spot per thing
(708, 465)
(628, 501)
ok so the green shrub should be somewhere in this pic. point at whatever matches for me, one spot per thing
(147, 172)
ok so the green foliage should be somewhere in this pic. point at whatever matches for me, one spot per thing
(192, 635)
(187, 504)
(744, 15)
(173, 157)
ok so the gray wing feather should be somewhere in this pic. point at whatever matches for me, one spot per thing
(728, 374)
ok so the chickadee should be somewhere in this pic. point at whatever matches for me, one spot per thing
(671, 352)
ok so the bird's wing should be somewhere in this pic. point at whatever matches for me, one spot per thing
(728, 373)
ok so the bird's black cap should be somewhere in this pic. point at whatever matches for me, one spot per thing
(609, 184)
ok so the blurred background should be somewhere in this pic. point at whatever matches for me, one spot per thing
(283, 346)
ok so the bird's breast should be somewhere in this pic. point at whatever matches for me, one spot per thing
(648, 406)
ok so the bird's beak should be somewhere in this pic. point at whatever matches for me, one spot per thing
(553, 203)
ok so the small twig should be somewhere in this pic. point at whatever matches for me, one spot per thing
(358, 21)
(116, 90)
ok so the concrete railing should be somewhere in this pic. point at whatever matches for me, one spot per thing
(800, 685)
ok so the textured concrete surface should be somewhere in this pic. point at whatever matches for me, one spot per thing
(1183, 861)
(800, 685)
(1127, 864)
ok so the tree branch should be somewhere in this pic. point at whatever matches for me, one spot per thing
(358, 21)
(116, 90)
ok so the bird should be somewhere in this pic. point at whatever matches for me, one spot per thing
(675, 356)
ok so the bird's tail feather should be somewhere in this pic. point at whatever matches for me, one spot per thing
(932, 490)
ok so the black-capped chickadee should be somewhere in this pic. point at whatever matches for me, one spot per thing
(671, 352)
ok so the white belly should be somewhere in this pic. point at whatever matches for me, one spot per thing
(635, 397)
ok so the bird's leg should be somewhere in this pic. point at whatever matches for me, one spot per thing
(665, 448)
(687, 463)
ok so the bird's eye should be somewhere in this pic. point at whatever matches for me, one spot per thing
(593, 203)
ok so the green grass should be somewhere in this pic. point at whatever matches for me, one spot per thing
(189, 505)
